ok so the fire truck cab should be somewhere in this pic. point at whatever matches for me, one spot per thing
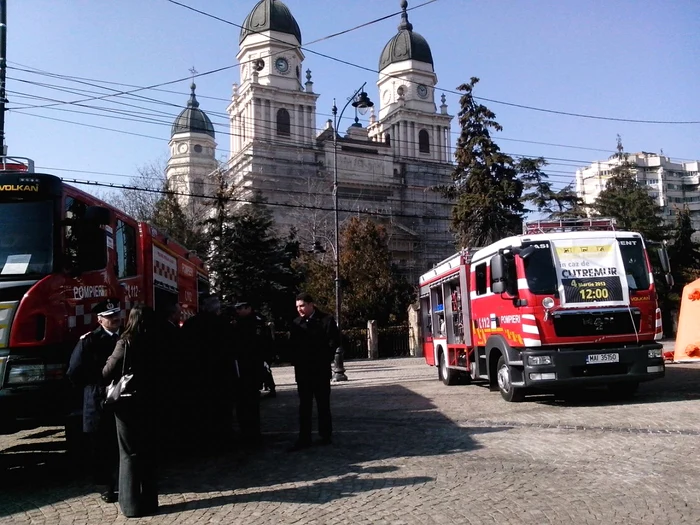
(568, 303)
(62, 251)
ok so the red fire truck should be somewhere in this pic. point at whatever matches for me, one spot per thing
(61, 252)
(568, 303)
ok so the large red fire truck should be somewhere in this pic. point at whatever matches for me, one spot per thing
(61, 252)
(568, 303)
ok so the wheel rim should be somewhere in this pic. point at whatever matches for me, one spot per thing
(504, 378)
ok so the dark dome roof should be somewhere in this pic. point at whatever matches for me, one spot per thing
(406, 44)
(192, 119)
(270, 15)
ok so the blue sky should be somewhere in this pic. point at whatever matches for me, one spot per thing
(624, 59)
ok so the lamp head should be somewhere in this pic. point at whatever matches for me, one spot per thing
(362, 103)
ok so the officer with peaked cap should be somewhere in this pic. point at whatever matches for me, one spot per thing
(85, 371)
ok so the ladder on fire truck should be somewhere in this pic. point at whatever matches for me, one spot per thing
(568, 225)
(16, 164)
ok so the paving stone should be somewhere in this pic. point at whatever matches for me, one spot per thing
(409, 450)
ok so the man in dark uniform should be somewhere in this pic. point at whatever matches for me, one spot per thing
(85, 371)
(209, 405)
(314, 337)
(251, 335)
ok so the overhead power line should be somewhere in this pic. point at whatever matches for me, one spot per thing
(372, 70)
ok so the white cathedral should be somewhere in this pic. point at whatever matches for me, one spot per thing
(385, 171)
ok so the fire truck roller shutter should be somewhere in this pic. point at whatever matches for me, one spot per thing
(499, 352)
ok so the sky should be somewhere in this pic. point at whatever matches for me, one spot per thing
(621, 61)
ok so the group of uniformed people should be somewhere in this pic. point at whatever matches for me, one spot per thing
(196, 377)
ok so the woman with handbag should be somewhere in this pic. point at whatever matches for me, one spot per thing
(136, 354)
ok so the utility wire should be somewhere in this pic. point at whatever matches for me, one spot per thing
(225, 116)
(521, 106)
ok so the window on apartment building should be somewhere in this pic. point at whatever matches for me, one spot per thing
(284, 124)
(423, 141)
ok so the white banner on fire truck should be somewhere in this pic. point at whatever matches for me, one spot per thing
(590, 272)
(164, 269)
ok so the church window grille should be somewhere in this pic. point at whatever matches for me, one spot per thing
(423, 141)
(284, 126)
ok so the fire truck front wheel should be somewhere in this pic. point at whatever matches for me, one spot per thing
(505, 385)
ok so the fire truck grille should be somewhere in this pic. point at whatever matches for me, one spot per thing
(596, 322)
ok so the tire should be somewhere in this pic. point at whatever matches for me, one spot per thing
(505, 387)
(448, 376)
(623, 390)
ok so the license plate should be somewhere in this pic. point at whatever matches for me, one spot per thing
(595, 359)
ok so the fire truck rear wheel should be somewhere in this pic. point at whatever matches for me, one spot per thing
(447, 375)
(505, 385)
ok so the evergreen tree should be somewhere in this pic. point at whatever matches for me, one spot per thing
(683, 252)
(247, 259)
(169, 216)
(488, 184)
(627, 201)
(566, 204)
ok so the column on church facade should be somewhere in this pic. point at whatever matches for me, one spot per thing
(412, 139)
(301, 125)
(235, 131)
(267, 119)
(436, 152)
(310, 124)
(257, 118)
(447, 143)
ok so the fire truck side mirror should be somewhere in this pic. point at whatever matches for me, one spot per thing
(498, 273)
(98, 215)
(663, 259)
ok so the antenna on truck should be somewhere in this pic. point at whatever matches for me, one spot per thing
(3, 70)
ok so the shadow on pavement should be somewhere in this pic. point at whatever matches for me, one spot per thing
(681, 383)
(373, 427)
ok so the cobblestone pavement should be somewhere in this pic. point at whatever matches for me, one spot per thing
(407, 450)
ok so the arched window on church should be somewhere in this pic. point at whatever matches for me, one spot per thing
(387, 139)
(423, 141)
(283, 123)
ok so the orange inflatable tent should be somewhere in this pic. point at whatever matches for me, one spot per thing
(688, 336)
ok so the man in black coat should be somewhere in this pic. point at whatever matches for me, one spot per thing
(314, 337)
(252, 342)
(211, 375)
(85, 371)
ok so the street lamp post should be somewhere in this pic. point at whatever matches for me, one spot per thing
(361, 102)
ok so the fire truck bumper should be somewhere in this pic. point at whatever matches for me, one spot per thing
(568, 366)
(32, 393)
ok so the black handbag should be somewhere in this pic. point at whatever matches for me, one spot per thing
(122, 389)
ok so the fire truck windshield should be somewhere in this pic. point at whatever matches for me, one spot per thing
(26, 238)
(635, 264)
(539, 269)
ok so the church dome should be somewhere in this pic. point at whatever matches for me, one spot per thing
(406, 44)
(192, 119)
(270, 15)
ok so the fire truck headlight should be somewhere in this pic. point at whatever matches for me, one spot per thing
(23, 374)
(535, 360)
(655, 353)
(548, 302)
